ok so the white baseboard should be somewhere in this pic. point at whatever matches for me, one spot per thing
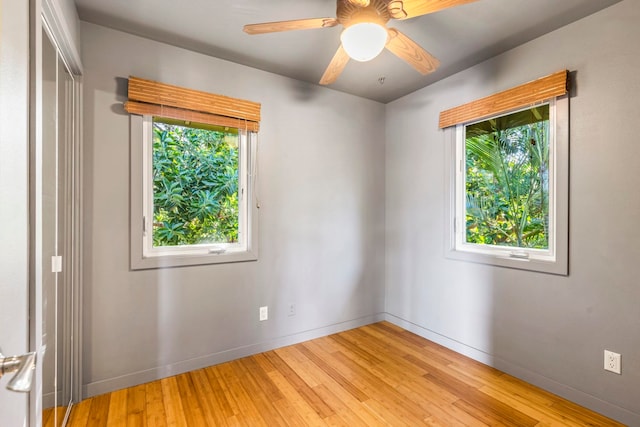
(141, 377)
(581, 398)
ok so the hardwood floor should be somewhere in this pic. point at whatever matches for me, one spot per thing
(53, 417)
(374, 375)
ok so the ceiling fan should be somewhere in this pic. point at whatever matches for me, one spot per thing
(365, 34)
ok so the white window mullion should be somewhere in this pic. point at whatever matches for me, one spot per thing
(147, 181)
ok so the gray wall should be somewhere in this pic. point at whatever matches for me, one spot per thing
(321, 190)
(550, 330)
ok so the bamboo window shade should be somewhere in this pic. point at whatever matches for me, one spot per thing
(147, 97)
(524, 95)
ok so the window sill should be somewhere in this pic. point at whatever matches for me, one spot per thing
(557, 266)
(176, 260)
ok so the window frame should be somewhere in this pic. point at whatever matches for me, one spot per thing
(143, 254)
(555, 259)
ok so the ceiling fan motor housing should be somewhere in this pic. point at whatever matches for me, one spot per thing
(349, 14)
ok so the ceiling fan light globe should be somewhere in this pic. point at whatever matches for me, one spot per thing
(364, 41)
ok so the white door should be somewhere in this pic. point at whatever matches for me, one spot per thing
(14, 195)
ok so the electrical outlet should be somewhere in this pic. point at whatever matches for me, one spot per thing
(292, 309)
(612, 362)
(264, 313)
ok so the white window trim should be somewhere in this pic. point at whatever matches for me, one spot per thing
(143, 255)
(555, 260)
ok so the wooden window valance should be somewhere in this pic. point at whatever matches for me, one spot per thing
(524, 95)
(147, 97)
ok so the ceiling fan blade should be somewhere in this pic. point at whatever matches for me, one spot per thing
(361, 3)
(404, 9)
(408, 50)
(298, 24)
(336, 66)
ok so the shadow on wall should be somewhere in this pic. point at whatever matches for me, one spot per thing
(304, 92)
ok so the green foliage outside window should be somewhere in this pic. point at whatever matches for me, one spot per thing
(507, 180)
(195, 185)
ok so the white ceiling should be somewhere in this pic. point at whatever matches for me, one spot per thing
(459, 37)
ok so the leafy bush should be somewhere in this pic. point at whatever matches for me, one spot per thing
(195, 186)
(507, 182)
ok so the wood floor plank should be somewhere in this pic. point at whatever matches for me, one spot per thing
(47, 417)
(397, 371)
(358, 351)
(261, 378)
(376, 375)
(543, 415)
(442, 411)
(262, 399)
(300, 386)
(482, 373)
(480, 405)
(247, 411)
(354, 374)
(222, 397)
(348, 394)
(99, 411)
(427, 356)
(511, 385)
(80, 413)
(402, 345)
(392, 365)
(264, 363)
(193, 412)
(173, 403)
(136, 406)
(117, 415)
(207, 398)
(382, 392)
(433, 368)
(233, 421)
(392, 371)
(351, 415)
(301, 405)
(485, 417)
(53, 417)
(321, 363)
(396, 331)
(300, 364)
(155, 415)
(416, 345)
(288, 411)
(389, 417)
(578, 413)
(327, 344)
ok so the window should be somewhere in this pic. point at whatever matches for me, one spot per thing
(502, 185)
(192, 196)
(196, 202)
(508, 191)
